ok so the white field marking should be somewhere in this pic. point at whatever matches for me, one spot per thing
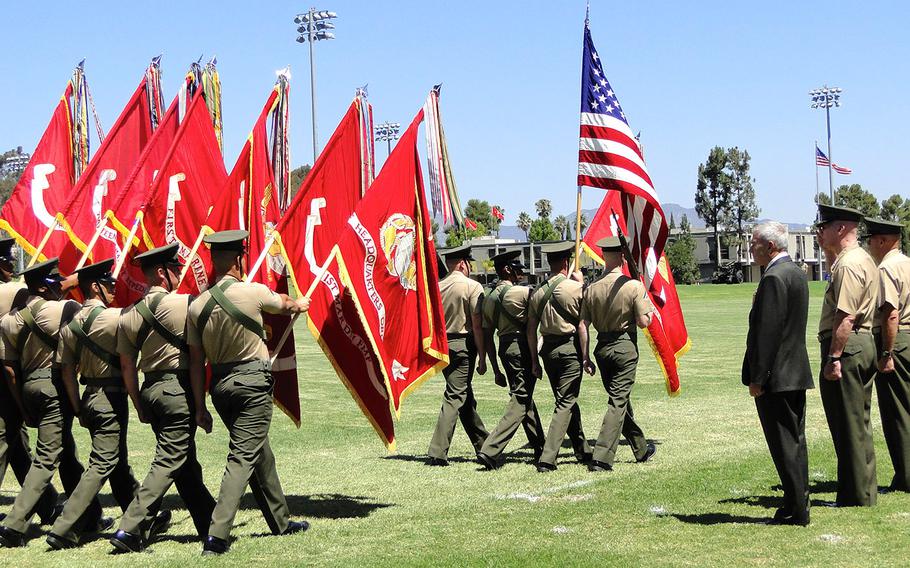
(658, 511)
(737, 491)
(901, 515)
(577, 498)
(831, 538)
(534, 498)
(560, 530)
(818, 475)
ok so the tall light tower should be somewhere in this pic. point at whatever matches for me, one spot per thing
(386, 132)
(314, 26)
(825, 98)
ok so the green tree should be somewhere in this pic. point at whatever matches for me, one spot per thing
(7, 185)
(681, 255)
(743, 209)
(855, 196)
(524, 223)
(712, 195)
(481, 213)
(542, 230)
(296, 178)
(496, 221)
(896, 208)
(435, 225)
(561, 224)
(672, 222)
(581, 229)
(544, 208)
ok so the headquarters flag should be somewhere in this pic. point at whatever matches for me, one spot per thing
(251, 200)
(388, 262)
(822, 160)
(610, 158)
(48, 180)
(308, 233)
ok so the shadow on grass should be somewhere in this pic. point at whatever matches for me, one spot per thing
(766, 501)
(720, 519)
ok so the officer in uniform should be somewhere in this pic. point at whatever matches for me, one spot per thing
(848, 352)
(225, 328)
(892, 338)
(88, 344)
(615, 304)
(14, 444)
(505, 310)
(30, 339)
(462, 300)
(555, 308)
(153, 332)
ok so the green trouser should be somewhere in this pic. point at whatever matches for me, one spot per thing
(167, 403)
(458, 400)
(563, 366)
(520, 410)
(105, 413)
(893, 392)
(43, 398)
(243, 398)
(617, 359)
(847, 404)
(14, 450)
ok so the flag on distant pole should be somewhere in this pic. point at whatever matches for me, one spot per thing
(822, 160)
(498, 214)
(469, 224)
(443, 193)
(610, 158)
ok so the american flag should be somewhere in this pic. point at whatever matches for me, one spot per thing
(822, 160)
(610, 157)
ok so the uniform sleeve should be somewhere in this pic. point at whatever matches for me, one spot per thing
(7, 325)
(533, 301)
(585, 312)
(127, 331)
(269, 301)
(475, 299)
(848, 290)
(193, 337)
(642, 302)
(887, 290)
(487, 311)
(66, 347)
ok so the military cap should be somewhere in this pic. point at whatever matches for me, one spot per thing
(558, 250)
(441, 265)
(508, 258)
(882, 227)
(610, 244)
(158, 256)
(457, 253)
(98, 271)
(6, 249)
(42, 273)
(828, 213)
(226, 240)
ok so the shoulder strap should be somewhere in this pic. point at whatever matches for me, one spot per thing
(500, 309)
(83, 340)
(147, 309)
(550, 286)
(230, 309)
(31, 326)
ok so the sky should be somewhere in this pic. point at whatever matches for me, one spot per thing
(689, 75)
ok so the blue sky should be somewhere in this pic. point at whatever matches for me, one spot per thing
(690, 75)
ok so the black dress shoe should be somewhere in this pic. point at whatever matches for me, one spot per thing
(214, 545)
(584, 458)
(104, 524)
(126, 542)
(793, 520)
(2, 516)
(599, 466)
(11, 538)
(544, 467)
(649, 453)
(296, 527)
(159, 524)
(439, 462)
(487, 462)
(55, 514)
(57, 542)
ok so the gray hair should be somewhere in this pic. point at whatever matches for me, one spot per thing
(773, 232)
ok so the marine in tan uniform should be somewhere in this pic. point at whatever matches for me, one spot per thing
(462, 300)
(152, 339)
(30, 340)
(616, 306)
(88, 346)
(892, 338)
(225, 328)
(505, 311)
(14, 444)
(848, 353)
(555, 309)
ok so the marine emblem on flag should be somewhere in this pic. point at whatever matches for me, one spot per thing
(397, 237)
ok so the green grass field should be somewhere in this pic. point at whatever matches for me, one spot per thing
(701, 502)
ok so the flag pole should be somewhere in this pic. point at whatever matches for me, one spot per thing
(816, 170)
(287, 332)
(578, 225)
(44, 241)
(126, 247)
(192, 256)
(91, 244)
(265, 250)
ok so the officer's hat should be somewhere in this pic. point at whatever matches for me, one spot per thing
(98, 272)
(6, 249)
(557, 251)
(42, 274)
(509, 258)
(610, 244)
(441, 265)
(828, 213)
(882, 227)
(226, 240)
(159, 256)
(457, 253)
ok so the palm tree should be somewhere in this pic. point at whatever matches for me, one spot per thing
(584, 225)
(561, 224)
(544, 207)
(524, 223)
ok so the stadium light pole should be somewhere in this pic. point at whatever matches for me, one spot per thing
(386, 132)
(825, 98)
(314, 26)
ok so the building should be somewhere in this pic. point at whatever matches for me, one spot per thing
(14, 163)
(803, 248)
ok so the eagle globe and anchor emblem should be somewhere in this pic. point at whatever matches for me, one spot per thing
(398, 237)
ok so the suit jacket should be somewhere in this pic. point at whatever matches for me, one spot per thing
(776, 355)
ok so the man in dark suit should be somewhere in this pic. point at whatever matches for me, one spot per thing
(776, 366)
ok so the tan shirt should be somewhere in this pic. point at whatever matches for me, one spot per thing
(8, 293)
(461, 297)
(35, 353)
(614, 302)
(103, 332)
(853, 290)
(224, 340)
(514, 301)
(156, 353)
(569, 294)
(894, 285)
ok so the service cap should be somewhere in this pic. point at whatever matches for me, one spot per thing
(508, 258)
(158, 256)
(557, 251)
(882, 227)
(226, 240)
(95, 272)
(42, 273)
(610, 244)
(6, 249)
(828, 213)
(457, 253)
